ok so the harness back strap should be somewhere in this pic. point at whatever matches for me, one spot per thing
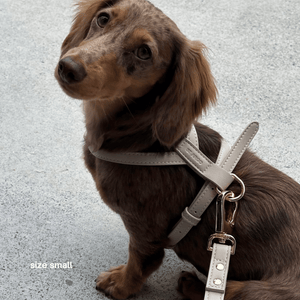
(188, 153)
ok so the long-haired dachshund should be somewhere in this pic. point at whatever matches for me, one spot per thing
(144, 84)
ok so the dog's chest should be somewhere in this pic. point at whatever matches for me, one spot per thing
(142, 189)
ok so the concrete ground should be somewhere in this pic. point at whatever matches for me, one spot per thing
(50, 211)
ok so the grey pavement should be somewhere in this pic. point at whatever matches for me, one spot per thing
(50, 211)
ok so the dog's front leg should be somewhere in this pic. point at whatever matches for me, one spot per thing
(125, 280)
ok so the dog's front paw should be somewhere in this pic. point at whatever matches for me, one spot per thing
(117, 283)
(190, 286)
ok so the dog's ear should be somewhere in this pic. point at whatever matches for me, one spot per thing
(189, 94)
(80, 27)
(81, 24)
(85, 12)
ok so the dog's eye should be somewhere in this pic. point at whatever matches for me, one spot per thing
(143, 52)
(103, 19)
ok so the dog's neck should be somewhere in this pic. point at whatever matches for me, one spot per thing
(120, 127)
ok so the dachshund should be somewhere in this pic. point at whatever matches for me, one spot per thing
(143, 85)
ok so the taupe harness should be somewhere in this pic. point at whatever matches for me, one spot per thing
(218, 177)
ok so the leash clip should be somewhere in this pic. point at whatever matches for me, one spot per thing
(230, 197)
(220, 210)
(220, 235)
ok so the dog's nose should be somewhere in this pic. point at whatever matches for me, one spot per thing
(71, 71)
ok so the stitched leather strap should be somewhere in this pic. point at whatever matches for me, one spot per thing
(147, 159)
(203, 166)
(199, 205)
(218, 270)
(228, 160)
(240, 146)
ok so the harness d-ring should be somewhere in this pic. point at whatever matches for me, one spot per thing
(233, 198)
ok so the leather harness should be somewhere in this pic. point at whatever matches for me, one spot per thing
(218, 177)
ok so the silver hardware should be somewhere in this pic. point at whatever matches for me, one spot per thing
(233, 198)
(220, 267)
(231, 222)
(229, 196)
(222, 238)
(220, 210)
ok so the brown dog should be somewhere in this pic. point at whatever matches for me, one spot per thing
(144, 84)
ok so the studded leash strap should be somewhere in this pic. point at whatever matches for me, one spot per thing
(218, 270)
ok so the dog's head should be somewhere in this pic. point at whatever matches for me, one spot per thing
(129, 50)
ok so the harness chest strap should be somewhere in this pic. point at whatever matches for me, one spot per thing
(190, 217)
(219, 265)
(227, 160)
(202, 165)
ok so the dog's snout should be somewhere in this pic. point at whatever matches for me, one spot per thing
(70, 70)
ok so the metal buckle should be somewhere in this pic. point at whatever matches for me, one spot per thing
(222, 238)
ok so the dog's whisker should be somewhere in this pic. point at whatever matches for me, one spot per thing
(106, 116)
(128, 108)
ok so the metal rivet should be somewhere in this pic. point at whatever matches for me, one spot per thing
(217, 281)
(220, 267)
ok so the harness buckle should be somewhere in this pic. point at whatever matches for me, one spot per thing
(222, 238)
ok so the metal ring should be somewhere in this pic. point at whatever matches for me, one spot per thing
(234, 198)
(225, 193)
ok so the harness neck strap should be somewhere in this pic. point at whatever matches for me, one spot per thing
(147, 159)
(187, 153)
